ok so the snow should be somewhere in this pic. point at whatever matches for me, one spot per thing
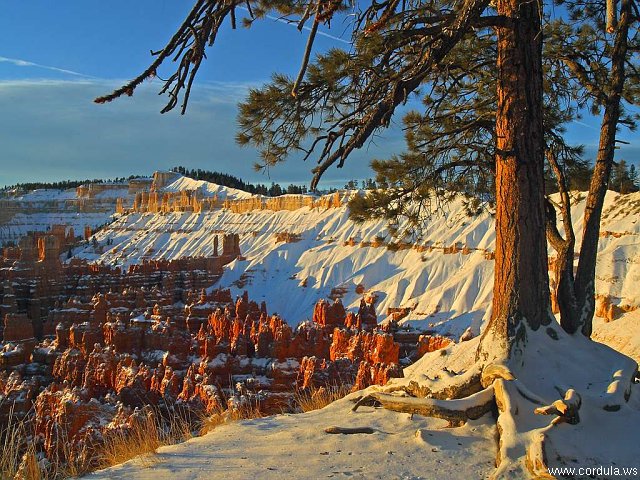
(621, 334)
(426, 280)
(589, 368)
(22, 223)
(44, 195)
(414, 447)
(208, 189)
(39, 209)
(43, 208)
(114, 194)
(295, 446)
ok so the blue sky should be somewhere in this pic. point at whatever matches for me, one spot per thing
(53, 62)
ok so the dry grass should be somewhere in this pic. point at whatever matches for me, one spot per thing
(244, 411)
(12, 443)
(316, 398)
(29, 467)
(142, 439)
(71, 460)
(151, 431)
(19, 459)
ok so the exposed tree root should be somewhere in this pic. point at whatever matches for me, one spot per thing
(470, 383)
(565, 409)
(548, 378)
(513, 444)
(529, 444)
(521, 446)
(493, 371)
(457, 412)
(619, 390)
(508, 409)
(536, 459)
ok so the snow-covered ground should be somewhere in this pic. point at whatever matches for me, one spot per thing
(46, 195)
(21, 223)
(43, 208)
(622, 334)
(296, 447)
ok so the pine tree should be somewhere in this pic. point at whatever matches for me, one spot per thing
(623, 178)
(602, 61)
(633, 178)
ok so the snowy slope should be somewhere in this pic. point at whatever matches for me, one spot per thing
(46, 195)
(55, 195)
(21, 224)
(275, 271)
(43, 208)
(39, 209)
(623, 334)
(448, 291)
(207, 189)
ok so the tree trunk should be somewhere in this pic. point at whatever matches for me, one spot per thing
(521, 287)
(565, 248)
(585, 275)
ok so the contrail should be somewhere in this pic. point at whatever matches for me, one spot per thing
(585, 125)
(282, 20)
(24, 63)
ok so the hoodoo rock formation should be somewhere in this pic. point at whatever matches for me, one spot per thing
(284, 202)
(84, 344)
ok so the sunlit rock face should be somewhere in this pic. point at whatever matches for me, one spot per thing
(17, 326)
(431, 343)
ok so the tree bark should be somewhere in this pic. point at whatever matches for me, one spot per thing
(585, 275)
(521, 287)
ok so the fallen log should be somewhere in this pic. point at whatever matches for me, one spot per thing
(349, 430)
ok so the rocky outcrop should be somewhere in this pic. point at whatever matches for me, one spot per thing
(165, 202)
(611, 308)
(370, 347)
(36, 284)
(17, 327)
(333, 314)
(283, 202)
(316, 372)
(330, 315)
(14, 354)
(431, 343)
(375, 374)
(605, 308)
